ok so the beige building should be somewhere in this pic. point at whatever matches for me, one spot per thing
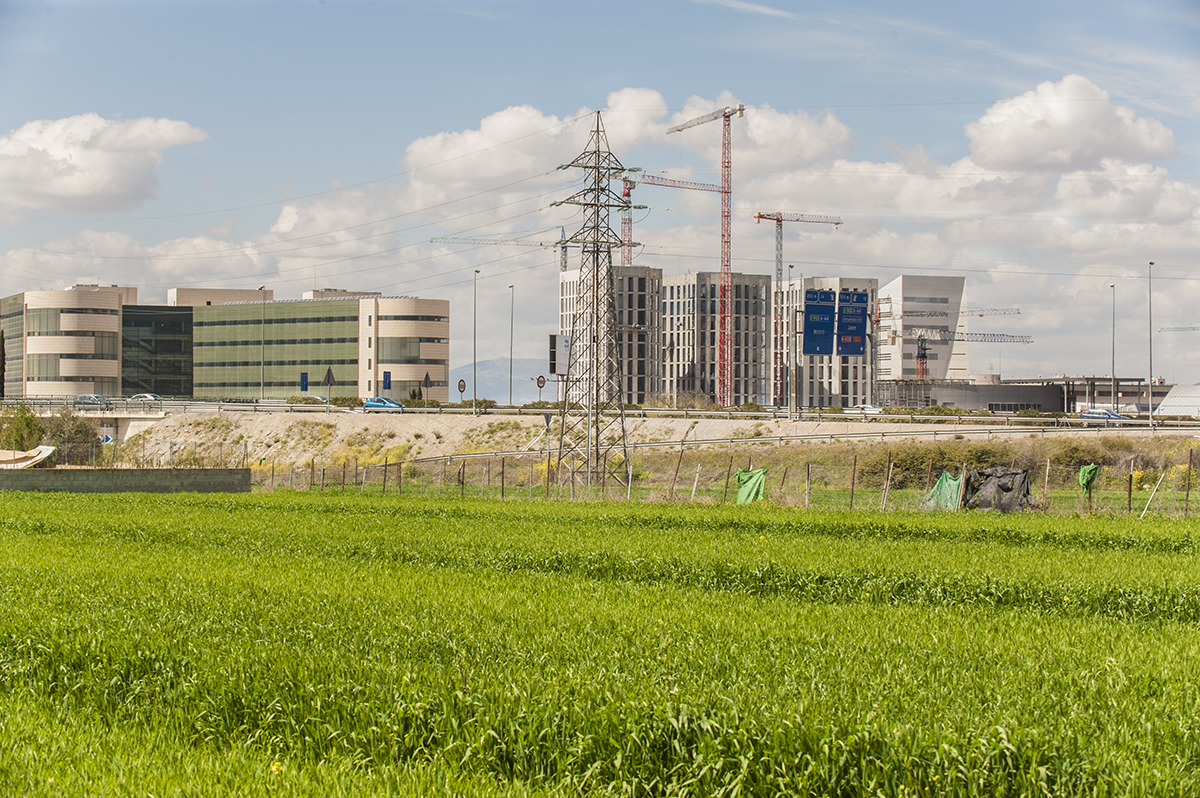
(199, 297)
(64, 343)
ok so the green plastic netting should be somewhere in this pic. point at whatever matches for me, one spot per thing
(1087, 475)
(944, 493)
(752, 485)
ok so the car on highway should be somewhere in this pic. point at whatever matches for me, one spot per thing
(90, 401)
(1102, 416)
(382, 404)
(145, 397)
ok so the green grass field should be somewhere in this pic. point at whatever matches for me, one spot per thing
(336, 644)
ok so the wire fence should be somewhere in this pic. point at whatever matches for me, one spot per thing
(796, 477)
(699, 477)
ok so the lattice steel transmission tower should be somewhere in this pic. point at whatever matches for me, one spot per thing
(592, 420)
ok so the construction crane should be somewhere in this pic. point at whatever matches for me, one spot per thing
(560, 244)
(780, 370)
(922, 335)
(724, 335)
(629, 182)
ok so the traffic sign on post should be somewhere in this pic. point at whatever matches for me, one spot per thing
(462, 388)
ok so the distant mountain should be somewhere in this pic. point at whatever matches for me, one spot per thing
(493, 380)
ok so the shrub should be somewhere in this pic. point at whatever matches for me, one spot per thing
(20, 429)
(75, 436)
(346, 401)
(304, 400)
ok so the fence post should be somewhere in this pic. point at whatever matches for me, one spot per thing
(1046, 484)
(547, 474)
(696, 482)
(502, 479)
(1187, 491)
(887, 483)
(728, 471)
(678, 463)
(385, 468)
(344, 476)
(853, 478)
(312, 472)
(807, 485)
(782, 482)
(929, 477)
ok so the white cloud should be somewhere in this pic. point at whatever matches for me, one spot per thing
(753, 8)
(1047, 239)
(1065, 126)
(86, 162)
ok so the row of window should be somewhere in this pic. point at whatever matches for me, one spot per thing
(260, 321)
(281, 342)
(444, 319)
(318, 362)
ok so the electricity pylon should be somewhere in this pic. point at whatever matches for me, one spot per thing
(592, 419)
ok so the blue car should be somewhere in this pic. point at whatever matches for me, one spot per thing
(382, 404)
(1102, 415)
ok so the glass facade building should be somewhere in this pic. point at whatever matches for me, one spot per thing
(156, 350)
(343, 346)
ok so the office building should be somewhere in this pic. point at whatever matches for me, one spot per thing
(64, 343)
(690, 309)
(344, 345)
(909, 304)
(636, 291)
(833, 346)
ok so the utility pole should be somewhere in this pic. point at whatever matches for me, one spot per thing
(593, 417)
(1150, 325)
(262, 352)
(512, 310)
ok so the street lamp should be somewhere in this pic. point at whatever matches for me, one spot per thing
(1113, 388)
(512, 307)
(791, 347)
(262, 352)
(1150, 327)
(474, 341)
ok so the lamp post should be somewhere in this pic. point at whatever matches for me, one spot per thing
(1113, 388)
(1150, 329)
(262, 352)
(791, 348)
(512, 308)
(474, 341)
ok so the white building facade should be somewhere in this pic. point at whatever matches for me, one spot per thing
(911, 303)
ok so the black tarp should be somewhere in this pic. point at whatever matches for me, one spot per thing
(998, 488)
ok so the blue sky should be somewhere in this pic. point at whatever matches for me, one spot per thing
(1040, 149)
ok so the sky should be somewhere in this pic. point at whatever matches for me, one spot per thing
(1045, 151)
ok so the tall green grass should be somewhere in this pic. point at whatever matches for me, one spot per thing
(366, 645)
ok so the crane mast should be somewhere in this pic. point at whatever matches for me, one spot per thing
(724, 335)
(781, 381)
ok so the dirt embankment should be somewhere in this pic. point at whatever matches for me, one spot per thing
(296, 439)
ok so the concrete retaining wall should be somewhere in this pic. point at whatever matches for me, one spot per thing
(128, 480)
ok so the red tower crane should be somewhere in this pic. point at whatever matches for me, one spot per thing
(724, 335)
